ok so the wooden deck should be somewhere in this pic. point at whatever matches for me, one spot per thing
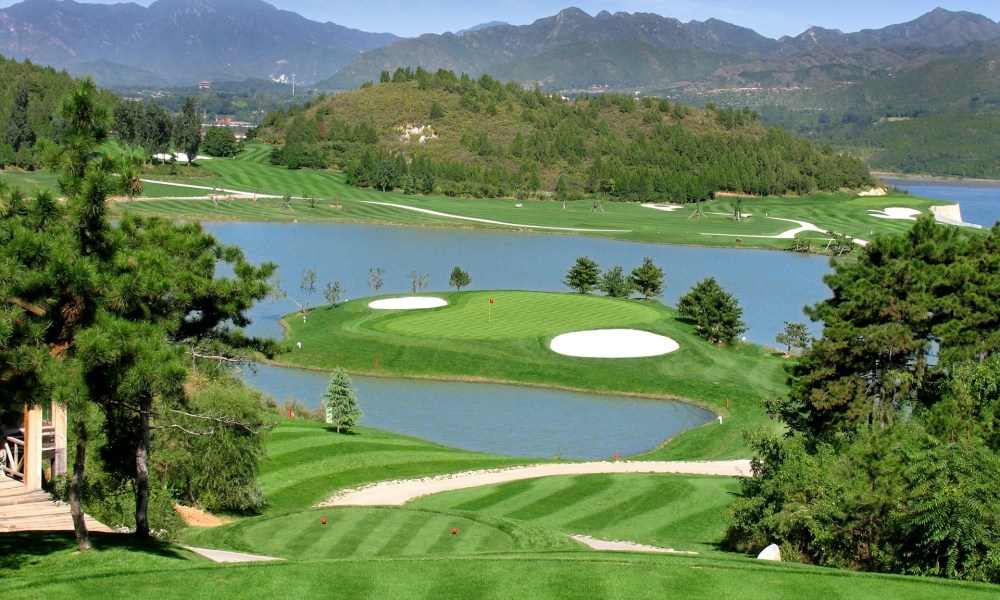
(22, 510)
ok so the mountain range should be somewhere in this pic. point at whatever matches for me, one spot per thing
(185, 41)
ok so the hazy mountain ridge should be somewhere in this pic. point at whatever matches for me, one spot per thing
(182, 40)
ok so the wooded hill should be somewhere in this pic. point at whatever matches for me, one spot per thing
(29, 97)
(443, 133)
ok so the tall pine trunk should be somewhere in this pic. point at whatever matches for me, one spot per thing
(75, 506)
(142, 476)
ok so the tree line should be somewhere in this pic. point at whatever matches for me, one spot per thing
(715, 313)
(892, 447)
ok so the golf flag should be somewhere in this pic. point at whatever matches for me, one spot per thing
(491, 300)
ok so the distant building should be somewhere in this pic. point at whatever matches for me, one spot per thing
(205, 85)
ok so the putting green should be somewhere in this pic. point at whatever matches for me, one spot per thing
(516, 315)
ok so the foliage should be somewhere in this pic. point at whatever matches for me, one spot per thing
(716, 314)
(647, 279)
(418, 281)
(342, 410)
(614, 283)
(795, 335)
(495, 139)
(583, 276)
(220, 141)
(217, 468)
(187, 130)
(459, 278)
(891, 457)
(332, 292)
(376, 278)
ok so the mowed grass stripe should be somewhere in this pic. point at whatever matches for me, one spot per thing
(516, 315)
(680, 511)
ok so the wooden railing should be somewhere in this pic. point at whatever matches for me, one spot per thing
(12, 457)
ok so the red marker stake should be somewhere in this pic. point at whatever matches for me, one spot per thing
(324, 520)
(454, 531)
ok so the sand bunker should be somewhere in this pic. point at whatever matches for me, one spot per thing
(898, 213)
(663, 207)
(408, 303)
(612, 343)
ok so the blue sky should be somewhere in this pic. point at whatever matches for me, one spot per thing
(772, 18)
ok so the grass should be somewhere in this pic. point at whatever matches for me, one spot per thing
(120, 569)
(683, 512)
(410, 552)
(336, 201)
(460, 341)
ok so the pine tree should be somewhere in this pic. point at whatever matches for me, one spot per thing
(583, 276)
(187, 130)
(459, 278)
(342, 410)
(648, 279)
(716, 313)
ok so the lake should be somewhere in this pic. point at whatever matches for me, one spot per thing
(772, 287)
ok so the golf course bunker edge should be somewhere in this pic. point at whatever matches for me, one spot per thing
(612, 343)
(407, 303)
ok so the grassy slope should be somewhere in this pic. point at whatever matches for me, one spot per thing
(840, 212)
(515, 349)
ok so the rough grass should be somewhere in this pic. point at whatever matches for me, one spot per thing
(430, 344)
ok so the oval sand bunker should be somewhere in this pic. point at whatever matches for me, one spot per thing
(408, 303)
(612, 343)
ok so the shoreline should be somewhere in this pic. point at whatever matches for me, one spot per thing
(936, 181)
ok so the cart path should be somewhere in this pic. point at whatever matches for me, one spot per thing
(478, 220)
(398, 492)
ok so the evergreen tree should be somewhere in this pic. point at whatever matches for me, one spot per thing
(342, 410)
(647, 279)
(716, 314)
(583, 276)
(459, 278)
(187, 130)
(794, 335)
(18, 132)
(614, 283)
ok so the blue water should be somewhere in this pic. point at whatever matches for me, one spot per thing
(772, 287)
(980, 201)
(499, 419)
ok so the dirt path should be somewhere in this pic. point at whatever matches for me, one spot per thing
(402, 491)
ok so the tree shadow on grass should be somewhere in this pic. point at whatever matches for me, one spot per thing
(333, 429)
(18, 549)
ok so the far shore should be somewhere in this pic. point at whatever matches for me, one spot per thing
(929, 180)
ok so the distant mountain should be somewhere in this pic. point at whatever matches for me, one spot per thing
(573, 49)
(461, 32)
(180, 41)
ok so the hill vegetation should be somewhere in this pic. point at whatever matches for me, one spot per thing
(427, 133)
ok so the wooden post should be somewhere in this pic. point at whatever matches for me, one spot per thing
(33, 447)
(59, 419)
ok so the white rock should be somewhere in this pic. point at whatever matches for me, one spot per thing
(772, 552)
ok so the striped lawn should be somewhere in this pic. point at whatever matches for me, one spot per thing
(47, 567)
(352, 532)
(684, 512)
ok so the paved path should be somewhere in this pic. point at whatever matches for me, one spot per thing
(225, 556)
(402, 491)
(478, 220)
(23, 510)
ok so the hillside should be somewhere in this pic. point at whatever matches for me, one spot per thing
(29, 99)
(438, 133)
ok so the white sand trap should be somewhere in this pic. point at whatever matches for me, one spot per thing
(179, 157)
(898, 213)
(408, 303)
(663, 207)
(612, 343)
